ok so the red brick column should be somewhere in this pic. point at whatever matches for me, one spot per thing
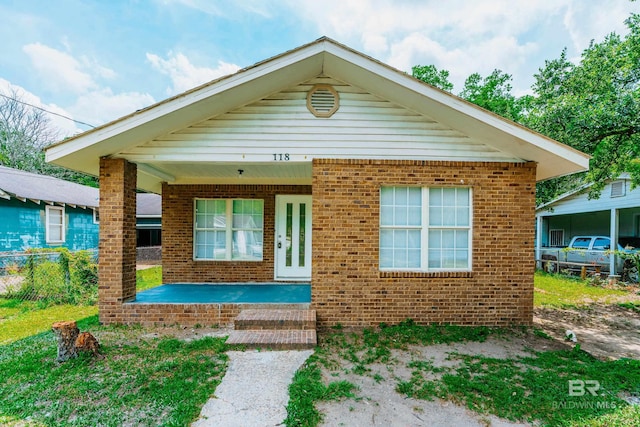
(117, 267)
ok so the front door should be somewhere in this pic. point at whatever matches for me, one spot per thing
(293, 238)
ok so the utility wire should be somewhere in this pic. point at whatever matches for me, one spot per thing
(47, 111)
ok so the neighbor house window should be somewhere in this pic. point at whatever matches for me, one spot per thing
(556, 238)
(228, 230)
(425, 229)
(54, 224)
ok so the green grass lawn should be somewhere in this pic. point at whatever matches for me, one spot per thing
(149, 380)
(20, 319)
(143, 380)
(561, 291)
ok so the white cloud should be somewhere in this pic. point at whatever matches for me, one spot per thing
(101, 106)
(60, 71)
(184, 75)
(60, 119)
(585, 22)
(463, 36)
(81, 77)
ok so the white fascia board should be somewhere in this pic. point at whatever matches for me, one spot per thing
(4, 195)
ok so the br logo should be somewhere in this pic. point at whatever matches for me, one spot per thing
(580, 388)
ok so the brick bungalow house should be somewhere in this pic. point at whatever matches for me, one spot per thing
(323, 166)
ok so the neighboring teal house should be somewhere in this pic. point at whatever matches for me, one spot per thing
(39, 211)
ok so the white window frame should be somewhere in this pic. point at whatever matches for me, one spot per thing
(424, 233)
(229, 229)
(48, 225)
(96, 216)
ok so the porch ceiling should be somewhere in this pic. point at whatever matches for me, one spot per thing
(323, 57)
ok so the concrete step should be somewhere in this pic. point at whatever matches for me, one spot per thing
(274, 339)
(277, 319)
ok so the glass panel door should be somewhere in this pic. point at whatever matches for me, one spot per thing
(293, 238)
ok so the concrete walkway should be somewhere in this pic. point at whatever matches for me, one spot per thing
(254, 390)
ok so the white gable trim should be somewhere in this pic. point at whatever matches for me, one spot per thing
(322, 57)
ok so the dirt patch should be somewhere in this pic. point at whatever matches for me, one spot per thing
(606, 331)
(381, 405)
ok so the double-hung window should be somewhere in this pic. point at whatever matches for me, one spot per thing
(228, 229)
(425, 229)
(54, 216)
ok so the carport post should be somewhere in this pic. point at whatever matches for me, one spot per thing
(614, 242)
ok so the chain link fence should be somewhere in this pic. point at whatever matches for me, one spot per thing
(55, 276)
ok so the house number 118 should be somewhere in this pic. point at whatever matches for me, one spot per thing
(282, 157)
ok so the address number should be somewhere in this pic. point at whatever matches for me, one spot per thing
(282, 157)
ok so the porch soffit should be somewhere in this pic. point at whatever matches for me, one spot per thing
(499, 137)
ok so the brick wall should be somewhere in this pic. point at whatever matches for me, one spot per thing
(117, 269)
(177, 234)
(347, 286)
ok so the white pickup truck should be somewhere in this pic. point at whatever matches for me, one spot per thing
(592, 252)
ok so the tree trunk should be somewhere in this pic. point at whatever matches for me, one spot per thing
(67, 332)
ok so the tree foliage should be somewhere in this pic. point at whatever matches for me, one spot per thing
(430, 74)
(493, 93)
(24, 134)
(592, 105)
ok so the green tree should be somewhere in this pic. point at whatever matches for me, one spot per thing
(593, 106)
(430, 74)
(493, 93)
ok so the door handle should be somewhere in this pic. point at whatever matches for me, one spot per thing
(279, 245)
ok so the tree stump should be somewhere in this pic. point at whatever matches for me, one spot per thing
(67, 332)
(87, 342)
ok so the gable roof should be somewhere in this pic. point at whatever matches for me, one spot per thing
(323, 57)
(23, 186)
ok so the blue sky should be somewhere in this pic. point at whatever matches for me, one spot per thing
(95, 61)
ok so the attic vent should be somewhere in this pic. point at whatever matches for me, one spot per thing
(617, 189)
(323, 101)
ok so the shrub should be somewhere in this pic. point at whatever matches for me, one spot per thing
(59, 276)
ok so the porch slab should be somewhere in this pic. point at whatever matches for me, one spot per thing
(227, 293)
